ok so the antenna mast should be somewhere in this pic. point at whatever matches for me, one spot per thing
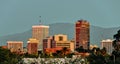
(40, 23)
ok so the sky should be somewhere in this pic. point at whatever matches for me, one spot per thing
(18, 16)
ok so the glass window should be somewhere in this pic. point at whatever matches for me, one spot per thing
(60, 38)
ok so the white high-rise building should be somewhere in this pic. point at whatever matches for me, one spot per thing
(40, 32)
(108, 45)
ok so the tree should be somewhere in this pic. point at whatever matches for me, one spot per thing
(116, 45)
(116, 42)
(96, 57)
(80, 49)
(6, 57)
(64, 50)
(104, 51)
(58, 53)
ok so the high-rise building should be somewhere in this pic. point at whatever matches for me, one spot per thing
(32, 46)
(15, 46)
(82, 34)
(108, 45)
(40, 32)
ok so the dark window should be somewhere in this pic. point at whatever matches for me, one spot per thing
(60, 38)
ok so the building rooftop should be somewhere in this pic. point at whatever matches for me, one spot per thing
(14, 41)
(107, 40)
(40, 26)
(33, 40)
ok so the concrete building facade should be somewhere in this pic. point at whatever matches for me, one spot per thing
(15, 46)
(40, 32)
(108, 45)
(49, 42)
(62, 41)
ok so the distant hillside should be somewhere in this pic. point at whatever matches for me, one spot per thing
(96, 33)
(62, 28)
(16, 37)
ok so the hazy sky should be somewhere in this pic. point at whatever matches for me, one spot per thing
(19, 15)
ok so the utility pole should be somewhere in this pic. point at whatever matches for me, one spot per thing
(114, 59)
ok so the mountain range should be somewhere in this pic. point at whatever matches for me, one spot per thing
(96, 33)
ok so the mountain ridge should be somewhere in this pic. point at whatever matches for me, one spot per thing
(96, 33)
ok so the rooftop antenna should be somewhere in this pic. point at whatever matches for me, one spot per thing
(40, 23)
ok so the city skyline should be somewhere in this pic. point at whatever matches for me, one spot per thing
(19, 16)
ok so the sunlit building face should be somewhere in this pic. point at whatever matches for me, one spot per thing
(40, 32)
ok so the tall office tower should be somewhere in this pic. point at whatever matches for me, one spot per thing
(15, 46)
(32, 46)
(108, 45)
(40, 32)
(82, 34)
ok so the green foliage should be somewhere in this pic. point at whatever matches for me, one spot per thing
(6, 57)
(116, 44)
(99, 56)
(26, 55)
(59, 54)
(70, 55)
(81, 49)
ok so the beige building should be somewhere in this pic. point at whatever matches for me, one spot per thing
(93, 46)
(32, 46)
(108, 45)
(15, 46)
(40, 32)
(62, 41)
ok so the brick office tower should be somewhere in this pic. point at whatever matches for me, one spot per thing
(32, 46)
(40, 32)
(82, 34)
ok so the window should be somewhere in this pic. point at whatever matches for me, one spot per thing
(60, 38)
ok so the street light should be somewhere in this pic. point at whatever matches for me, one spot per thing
(114, 59)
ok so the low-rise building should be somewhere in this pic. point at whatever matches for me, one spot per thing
(58, 41)
(15, 46)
